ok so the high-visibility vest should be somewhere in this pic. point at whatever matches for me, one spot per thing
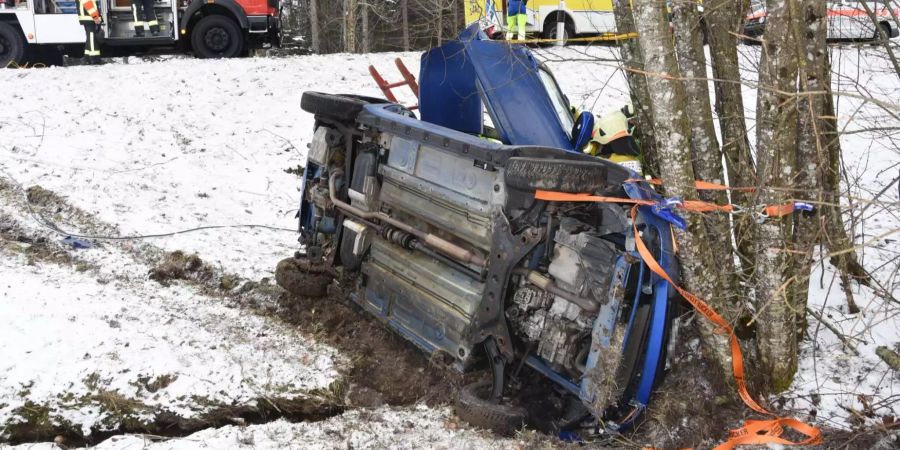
(88, 10)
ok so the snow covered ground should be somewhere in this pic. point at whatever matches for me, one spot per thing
(408, 428)
(159, 146)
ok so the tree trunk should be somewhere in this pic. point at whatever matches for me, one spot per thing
(776, 123)
(439, 12)
(364, 42)
(811, 144)
(836, 238)
(723, 18)
(350, 7)
(673, 131)
(313, 26)
(633, 61)
(705, 152)
(404, 12)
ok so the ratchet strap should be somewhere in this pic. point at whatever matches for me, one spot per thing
(767, 211)
(754, 432)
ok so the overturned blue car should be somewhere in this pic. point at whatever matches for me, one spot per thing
(439, 221)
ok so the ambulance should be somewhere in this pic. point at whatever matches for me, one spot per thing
(580, 17)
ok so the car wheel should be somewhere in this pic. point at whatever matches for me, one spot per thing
(883, 28)
(217, 37)
(550, 31)
(12, 45)
(473, 407)
(343, 107)
(563, 175)
(304, 278)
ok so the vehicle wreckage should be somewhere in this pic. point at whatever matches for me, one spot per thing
(437, 221)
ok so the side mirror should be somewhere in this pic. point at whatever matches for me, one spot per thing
(582, 130)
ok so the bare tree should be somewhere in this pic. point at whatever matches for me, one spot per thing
(632, 60)
(776, 137)
(705, 152)
(723, 19)
(673, 142)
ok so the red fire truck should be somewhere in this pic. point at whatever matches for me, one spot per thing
(208, 28)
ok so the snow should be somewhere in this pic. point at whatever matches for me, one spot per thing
(396, 428)
(72, 337)
(156, 146)
(169, 145)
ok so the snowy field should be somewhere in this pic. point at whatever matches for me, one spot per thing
(159, 146)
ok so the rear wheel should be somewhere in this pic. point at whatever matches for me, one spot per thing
(550, 31)
(474, 407)
(883, 28)
(12, 45)
(217, 37)
(303, 277)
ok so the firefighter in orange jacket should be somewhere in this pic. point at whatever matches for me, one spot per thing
(89, 17)
(144, 16)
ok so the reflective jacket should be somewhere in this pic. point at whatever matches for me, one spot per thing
(88, 10)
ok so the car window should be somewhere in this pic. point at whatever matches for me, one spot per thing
(560, 102)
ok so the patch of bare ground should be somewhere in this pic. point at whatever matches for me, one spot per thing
(692, 406)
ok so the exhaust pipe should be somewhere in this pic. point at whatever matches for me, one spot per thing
(432, 241)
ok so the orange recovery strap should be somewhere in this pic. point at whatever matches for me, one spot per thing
(698, 184)
(687, 205)
(754, 432)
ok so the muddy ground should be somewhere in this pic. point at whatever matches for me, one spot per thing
(689, 409)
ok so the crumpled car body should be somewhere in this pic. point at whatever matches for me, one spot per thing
(437, 219)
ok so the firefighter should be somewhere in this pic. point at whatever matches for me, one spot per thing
(515, 19)
(613, 134)
(89, 17)
(144, 16)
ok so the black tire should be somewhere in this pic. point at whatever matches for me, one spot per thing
(299, 277)
(884, 28)
(562, 175)
(342, 107)
(12, 45)
(217, 36)
(550, 30)
(473, 407)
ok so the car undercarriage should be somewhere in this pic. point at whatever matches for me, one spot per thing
(447, 244)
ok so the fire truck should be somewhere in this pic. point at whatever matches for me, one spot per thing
(48, 29)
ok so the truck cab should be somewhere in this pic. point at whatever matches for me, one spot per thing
(208, 28)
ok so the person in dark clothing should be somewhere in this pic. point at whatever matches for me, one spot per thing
(89, 17)
(144, 17)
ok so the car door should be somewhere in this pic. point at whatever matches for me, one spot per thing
(56, 22)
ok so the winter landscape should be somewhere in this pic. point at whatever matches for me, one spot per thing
(143, 213)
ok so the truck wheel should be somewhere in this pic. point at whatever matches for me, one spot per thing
(12, 45)
(342, 107)
(570, 176)
(473, 407)
(302, 277)
(217, 36)
(550, 31)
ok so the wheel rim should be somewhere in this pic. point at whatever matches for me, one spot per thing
(554, 33)
(217, 39)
